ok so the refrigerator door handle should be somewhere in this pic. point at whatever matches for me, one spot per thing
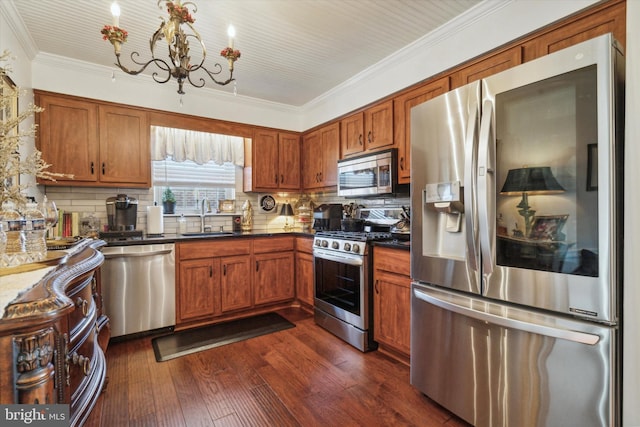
(486, 186)
(470, 184)
(564, 334)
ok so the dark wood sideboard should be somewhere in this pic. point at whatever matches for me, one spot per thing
(54, 335)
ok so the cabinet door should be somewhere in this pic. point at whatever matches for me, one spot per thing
(330, 155)
(607, 17)
(304, 277)
(352, 134)
(273, 277)
(265, 160)
(125, 156)
(488, 66)
(392, 313)
(68, 138)
(289, 161)
(311, 160)
(198, 293)
(402, 117)
(378, 122)
(235, 283)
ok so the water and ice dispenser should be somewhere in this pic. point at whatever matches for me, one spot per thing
(443, 220)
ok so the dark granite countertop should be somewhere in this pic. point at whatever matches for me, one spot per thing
(395, 244)
(175, 238)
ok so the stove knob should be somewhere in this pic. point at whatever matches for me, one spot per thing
(335, 245)
(356, 248)
(317, 242)
(347, 247)
(325, 243)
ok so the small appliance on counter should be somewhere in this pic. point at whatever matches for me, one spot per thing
(327, 217)
(122, 216)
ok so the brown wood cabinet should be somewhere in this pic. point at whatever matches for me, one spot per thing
(304, 271)
(378, 126)
(367, 131)
(402, 118)
(53, 338)
(320, 154)
(275, 161)
(213, 277)
(222, 278)
(274, 269)
(100, 144)
(235, 285)
(352, 134)
(392, 301)
(198, 292)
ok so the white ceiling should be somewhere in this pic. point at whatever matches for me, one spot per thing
(293, 51)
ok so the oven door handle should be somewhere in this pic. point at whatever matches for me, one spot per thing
(337, 258)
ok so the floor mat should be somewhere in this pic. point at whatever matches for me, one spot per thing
(191, 341)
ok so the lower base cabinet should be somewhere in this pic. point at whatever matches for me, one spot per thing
(274, 270)
(304, 271)
(221, 278)
(392, 301)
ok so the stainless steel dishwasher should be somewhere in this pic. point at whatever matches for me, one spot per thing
(138, 287)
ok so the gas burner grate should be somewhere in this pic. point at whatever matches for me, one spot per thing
(361, 236)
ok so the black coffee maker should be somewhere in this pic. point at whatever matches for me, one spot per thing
(122, 213)
(327, 217)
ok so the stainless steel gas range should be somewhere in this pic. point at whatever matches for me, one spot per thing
(343, 285)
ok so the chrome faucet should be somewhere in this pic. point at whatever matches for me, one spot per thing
(205, 202)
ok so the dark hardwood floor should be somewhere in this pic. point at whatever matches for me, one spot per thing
(302, 376)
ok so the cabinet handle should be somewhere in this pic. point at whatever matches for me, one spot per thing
(257, 265)
(91, 168)
(370, 136)
(210, 271)
(320, 176)
(376, 287)
(78, 360)
(402, 163)
(282, 179)
(83, 305)
(276, 178)
(224, 270)
(360, 139)
(103, 168)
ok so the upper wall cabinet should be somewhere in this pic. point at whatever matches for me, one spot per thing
(99, 144)
(368, 130)
(320, 153)
(275, 161)
(402, 118)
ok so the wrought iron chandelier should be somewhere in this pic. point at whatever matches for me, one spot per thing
(179, 65)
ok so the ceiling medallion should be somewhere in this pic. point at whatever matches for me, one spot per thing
(178, 65)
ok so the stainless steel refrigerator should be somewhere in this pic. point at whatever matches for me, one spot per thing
(516, 241)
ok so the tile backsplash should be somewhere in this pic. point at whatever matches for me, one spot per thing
(91, 200)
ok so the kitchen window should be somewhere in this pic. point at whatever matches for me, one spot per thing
(195, 165)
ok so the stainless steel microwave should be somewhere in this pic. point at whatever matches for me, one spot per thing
(368, 175)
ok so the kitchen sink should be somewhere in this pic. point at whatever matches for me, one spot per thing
(208, 234)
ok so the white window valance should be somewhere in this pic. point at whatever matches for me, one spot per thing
(199, 147)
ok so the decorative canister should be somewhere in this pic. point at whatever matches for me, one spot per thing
(247, 216)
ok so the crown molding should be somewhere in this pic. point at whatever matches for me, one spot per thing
(13, 19)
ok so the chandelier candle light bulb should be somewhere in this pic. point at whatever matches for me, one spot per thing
(115, 11)
(231, 32)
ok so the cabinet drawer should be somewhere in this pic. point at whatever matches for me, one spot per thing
(304, 244)
(81, 294)
(210, 248)
(272, 244)
(396, 261)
